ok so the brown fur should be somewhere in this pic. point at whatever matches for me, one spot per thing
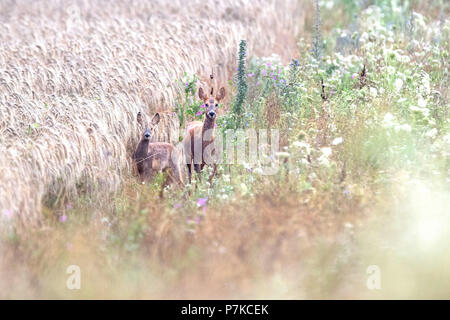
(195, 134)
(153, 157)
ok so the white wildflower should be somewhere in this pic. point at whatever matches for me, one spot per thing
(422, 102)
(404, 127)
(337, 141)
(398, 84)
(388, 120)
(390, 70)
(431, 133)
(373, 92)
(326, 151)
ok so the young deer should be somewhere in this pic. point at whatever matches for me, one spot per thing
(200, 135)
(153, 157)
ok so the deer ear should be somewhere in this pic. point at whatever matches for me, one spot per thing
(221, 94)
(139, 118)
(155, 119)
(201, 94)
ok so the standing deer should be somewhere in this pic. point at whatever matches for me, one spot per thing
(153, 157)
(200, 135)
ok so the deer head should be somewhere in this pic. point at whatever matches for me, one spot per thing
(149, 126)
(211, 102)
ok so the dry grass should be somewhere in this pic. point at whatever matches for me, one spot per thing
(74, 74)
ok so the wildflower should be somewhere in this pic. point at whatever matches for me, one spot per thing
(354, 76)
(264, 72)
(431, 133)
(337, 141)
(388, 120)
(250, 75)
(404, 127)
(203, 106)
(199, 113)
(373, 92)
(63, 218)
(201, 202)
(390, 70)
(187, 84)
(176, 205)
(422, 102)
(326, 151)
(197, 219)
(69, 206)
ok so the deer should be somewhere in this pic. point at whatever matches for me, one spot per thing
(153, 157)
(201, 134)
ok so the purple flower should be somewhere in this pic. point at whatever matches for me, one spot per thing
(69, 206)
(274, 77)
(187, 84)
(268, 65)
(176, 205)
(203, 106)
(199, 113)
(7, 213)
(353, 76)
(63, 218)
(201, 202)
(264, 72)
(197, 220)
(251, 75)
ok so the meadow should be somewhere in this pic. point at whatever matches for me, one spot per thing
(358, 91)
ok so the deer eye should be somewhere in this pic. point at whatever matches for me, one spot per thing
(206, 105)
(217, 104)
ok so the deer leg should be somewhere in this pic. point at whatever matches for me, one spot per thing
(198, 169)
(213, 173)
(189, 166)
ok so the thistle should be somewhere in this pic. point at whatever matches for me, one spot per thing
(241, 84)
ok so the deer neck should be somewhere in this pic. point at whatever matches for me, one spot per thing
(142, 149)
